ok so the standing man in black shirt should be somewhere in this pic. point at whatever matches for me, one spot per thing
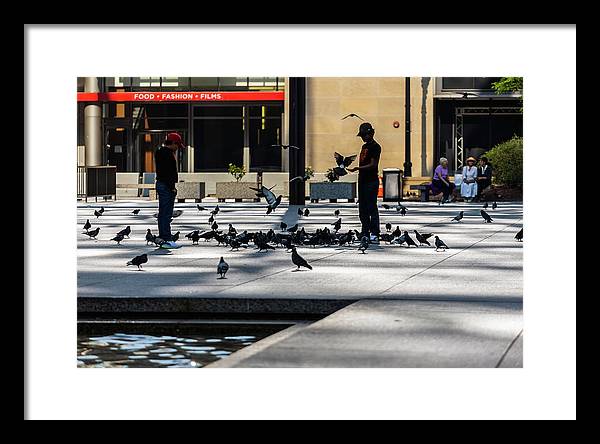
(368, 182)
(166, 178)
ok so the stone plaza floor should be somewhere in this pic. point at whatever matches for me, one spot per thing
(415, 307)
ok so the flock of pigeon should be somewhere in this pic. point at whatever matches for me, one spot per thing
(287, 237)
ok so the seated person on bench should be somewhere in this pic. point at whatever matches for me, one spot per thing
(484, 175)
(440, 182)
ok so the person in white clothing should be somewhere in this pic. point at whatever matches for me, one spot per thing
(468, 187)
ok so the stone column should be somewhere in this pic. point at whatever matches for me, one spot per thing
(92, 126)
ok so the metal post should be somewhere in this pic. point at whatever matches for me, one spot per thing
(407, 162)
(297, 137)
(92, 126)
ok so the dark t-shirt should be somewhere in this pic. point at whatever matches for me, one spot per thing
(166, 166)
(370, 150)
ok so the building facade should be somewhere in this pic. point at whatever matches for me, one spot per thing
(238, 120)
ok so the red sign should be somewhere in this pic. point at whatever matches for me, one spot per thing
(181, 96)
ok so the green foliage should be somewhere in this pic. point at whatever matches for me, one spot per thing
(331, 176)
(507, 162)
(309, 172)
(507, 85)
(238, 172)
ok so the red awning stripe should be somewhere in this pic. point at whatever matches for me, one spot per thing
(181, 96)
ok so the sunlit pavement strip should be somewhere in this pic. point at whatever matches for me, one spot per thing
(482, 266)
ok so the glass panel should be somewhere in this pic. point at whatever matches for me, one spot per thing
(457, 83)
(80, 84)
(217, 142)
(218, 111)
(204, 83)
(262, 134)
(165, 124)
(484, 82)
(166, 110)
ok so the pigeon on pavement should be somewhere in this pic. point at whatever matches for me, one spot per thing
(222, 268)
(388, 227)
(97, 213)
(336, 213)
(459, 216)
(519, 235)
(494, 205)
(125, 231)
(200, 208)
(300, 213)
(298, 260)
(485, 205)
(337, 225)
(422, 238)
(283, 226)
(440, 244)
(138, 260)
(87, 226)
(486, 217)
(118, 238)
(293, 229)
(409, 240)
(149, 236)
(92, 234)
(175, 237)
(136, 212)
(306, 212)
(364, 244)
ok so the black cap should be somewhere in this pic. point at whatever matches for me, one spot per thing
(365, 128)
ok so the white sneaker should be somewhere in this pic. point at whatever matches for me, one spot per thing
(170, 245)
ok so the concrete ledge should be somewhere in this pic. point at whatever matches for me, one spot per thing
(186, 305)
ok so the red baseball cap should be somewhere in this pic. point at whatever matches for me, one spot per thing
(175, 137)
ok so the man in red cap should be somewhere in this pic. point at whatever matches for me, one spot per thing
(166, 178)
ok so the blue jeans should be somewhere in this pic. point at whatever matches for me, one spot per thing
(166, 202)
(367, 207)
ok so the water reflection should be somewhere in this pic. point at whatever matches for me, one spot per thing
(139, 350)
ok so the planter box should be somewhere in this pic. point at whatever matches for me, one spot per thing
(332, 191)
(236, 190)
(190, 190)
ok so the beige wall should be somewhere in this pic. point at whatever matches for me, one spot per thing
(379, 100)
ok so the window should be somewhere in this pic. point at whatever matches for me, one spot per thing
(465, 83)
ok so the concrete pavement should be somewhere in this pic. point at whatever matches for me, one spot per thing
(392, 307)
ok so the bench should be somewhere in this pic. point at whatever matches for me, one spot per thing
(140, 186)
(425, 189)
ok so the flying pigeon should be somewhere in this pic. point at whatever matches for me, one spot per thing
(440, 244)
(298, 260)
(364, 244)
(352, 115)
(125, 232)
(138, 260)
(222, 268)
(459, 216)
(486, 217)
(285, 147)
(136, 212)
(269, 196)
(300, 178)
(342, 163)
(519, 235)
(92, 234)
(118, 238)
(87, 226)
